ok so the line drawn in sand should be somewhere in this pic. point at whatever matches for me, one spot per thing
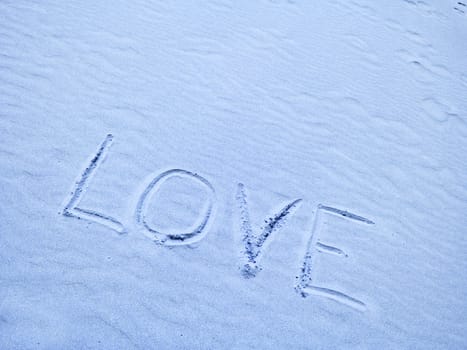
(171, 239)
(253, 243)
(305, 284)
(71, 207)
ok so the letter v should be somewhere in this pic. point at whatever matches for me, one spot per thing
(252, 242)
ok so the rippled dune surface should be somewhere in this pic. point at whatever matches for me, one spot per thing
(233, 174)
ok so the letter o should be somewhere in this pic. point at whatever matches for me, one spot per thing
(180, 238)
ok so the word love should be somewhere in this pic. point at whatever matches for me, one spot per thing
(253, 242)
